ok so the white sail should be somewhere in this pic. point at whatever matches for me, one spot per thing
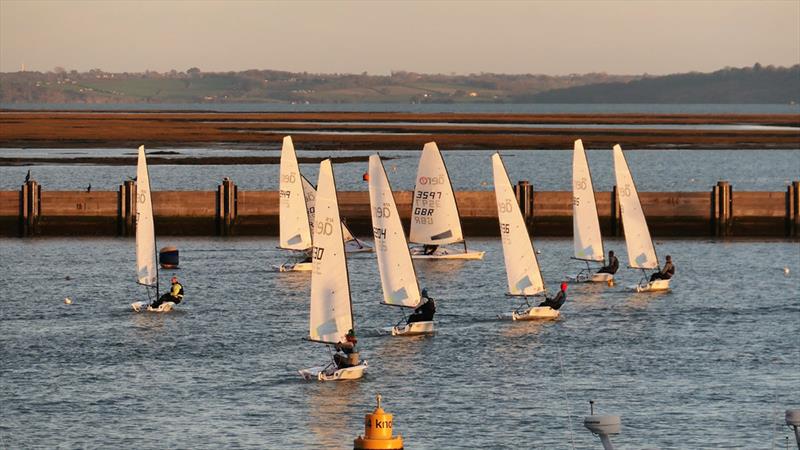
(146, 270)
(398, 278)
(587, 240)
(434, 214)
(310, 193)
(331, 309)
(295, 233)
(522, 268)
(641, 253)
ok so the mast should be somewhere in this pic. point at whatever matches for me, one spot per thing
(585, 223)
(641, 252)
(295, 229)
(522, 266)
(435, 217)
(398, 274)
(331, 309)
(146, 252)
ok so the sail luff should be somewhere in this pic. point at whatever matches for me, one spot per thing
(522, 266)
(398, 276)
(434, 214)
(295, 231)
(587, 240)
(331, 311)
(641, 252)
(146, 265)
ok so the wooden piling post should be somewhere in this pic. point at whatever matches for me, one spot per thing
(715, 210)
(793, 209)
(524, 194)
(127, 208)
(616, 213)
(226, 206)
(724, 208)
(30, 203)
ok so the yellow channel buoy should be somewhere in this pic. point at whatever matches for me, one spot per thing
(378, 431)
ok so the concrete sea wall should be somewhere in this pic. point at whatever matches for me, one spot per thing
(228, 211)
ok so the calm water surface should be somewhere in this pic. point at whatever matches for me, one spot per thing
(470, 170)
(712, 364)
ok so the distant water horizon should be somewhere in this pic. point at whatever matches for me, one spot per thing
(477, 108)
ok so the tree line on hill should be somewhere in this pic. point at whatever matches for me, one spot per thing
(754, 84)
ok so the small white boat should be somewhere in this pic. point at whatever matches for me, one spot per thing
(146, 254)
(522, 267)
(536, 313)
(296, 212)
(413, 328)
(331, 309)
(295, 228)
(586, 238)
(641, 252)
(295, 267)
(398, 276)
(328, 373)
(434, 213)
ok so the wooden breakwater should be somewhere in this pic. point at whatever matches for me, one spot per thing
(229, 211)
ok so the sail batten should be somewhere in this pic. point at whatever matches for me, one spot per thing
(522, 267)
(398, 276)
(331, 312)
(146, 264)
(295, 230)
(434, 212)
(587, 240)
(641, 252)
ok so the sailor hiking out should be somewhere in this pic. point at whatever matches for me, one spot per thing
(174, 295)
(425, 311)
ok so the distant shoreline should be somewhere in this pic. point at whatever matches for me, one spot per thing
(330, 131)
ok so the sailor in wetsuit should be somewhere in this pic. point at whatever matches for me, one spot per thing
(613, 264)
(557, 301)
(346, 354)
(425, 311)
(666, 272)
(175, 294)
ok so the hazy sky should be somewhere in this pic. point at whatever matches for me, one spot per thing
(549, 37)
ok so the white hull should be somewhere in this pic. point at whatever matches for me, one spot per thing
(142, 306)
(601, 278)
(417, 253)
(653, 286)
(536, 313)
(319, 373)
(353, 247)
(295, 267)
(593, 278)
(414, 328)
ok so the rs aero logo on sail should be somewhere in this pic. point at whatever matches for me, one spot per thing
(431, 180)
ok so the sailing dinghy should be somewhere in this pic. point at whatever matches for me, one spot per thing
(331, 311)
(296, 213)
(351, 243)
(434, 218)
(146, 255)
(295, 231)
(398, 277)
(587, 240)
(641, 252)
(522, 267)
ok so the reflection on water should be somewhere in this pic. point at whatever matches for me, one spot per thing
(221, 370)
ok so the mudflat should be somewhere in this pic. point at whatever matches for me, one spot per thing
(397, 131)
